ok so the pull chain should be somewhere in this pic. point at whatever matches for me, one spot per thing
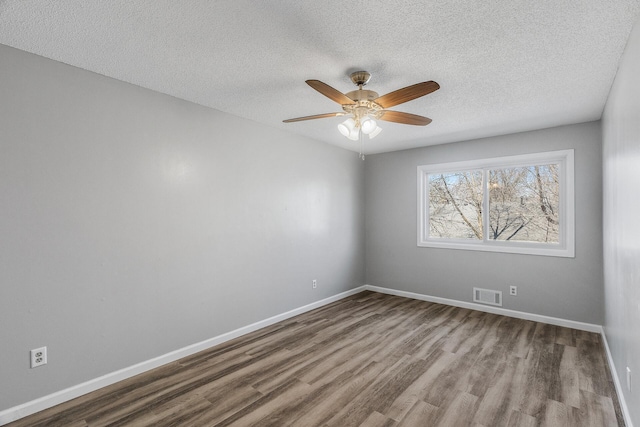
(361, 155)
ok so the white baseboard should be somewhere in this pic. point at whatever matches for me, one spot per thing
(616, 381)
(21, 411)
(589, 327)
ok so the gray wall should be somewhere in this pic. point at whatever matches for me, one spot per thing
(568, 288)
(133, 224)
(621, 157)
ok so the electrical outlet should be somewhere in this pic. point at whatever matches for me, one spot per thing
(628, 378)
(513, 290)
(314, 284)
(38, 357)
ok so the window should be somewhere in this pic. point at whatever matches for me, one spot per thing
(519, 204)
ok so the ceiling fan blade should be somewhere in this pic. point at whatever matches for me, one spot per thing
(407, 94)
(317, 116)
(330, 92)
(405, 118)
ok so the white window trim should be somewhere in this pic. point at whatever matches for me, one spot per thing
(566, 245)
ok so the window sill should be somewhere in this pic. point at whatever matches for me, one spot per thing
(511, 248)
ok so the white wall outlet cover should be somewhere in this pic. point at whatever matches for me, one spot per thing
(38, 357)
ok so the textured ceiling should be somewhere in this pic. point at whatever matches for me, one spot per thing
(503, 65)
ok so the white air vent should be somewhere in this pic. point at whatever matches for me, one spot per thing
(487, 296)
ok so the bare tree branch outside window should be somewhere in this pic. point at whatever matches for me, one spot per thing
(524, 204)
(455, 205)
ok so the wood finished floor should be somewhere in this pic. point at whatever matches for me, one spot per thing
(369, 360)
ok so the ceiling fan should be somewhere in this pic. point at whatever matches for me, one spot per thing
(365, 106)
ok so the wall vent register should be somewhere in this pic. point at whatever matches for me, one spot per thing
(487, 296)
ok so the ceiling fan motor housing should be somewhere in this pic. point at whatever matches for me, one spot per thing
(362, 95)
(360, 78)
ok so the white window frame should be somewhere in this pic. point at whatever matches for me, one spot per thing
(566, 245)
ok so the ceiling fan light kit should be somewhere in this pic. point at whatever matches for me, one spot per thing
(375, 132)
(364, 107)
(368, 125)
(347, 127)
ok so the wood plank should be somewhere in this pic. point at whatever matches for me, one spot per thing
(496, 406)
(420, 414)
(518, 419)
(376, 419)
(459, 411)
(569, 378)
(325, 407)
(413, 394)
